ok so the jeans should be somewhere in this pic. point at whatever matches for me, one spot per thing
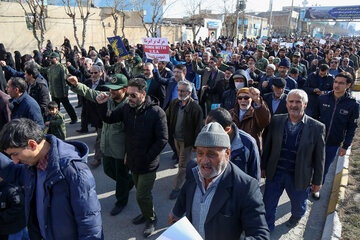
(273, 191)
(330, 155)
(144, 184)
(117, 170)
(22, 235)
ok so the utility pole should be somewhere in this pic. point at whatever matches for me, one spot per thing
(242, 8)
(236, 32)
(290, 17)
(270, 18)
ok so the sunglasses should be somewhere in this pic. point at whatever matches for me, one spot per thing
(94, 72)
(333, 62)
(243, 97)
(132, 95)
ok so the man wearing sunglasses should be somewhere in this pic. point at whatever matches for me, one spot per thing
(251, 113)
(112, 140)
(334, 67)
(146, 134)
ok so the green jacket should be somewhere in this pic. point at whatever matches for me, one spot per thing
(57, 126)
(112, 141)
(302, 69)
(355, 60)
(56, 75)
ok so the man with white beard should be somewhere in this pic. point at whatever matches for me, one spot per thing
(184, 117)
(219, 199)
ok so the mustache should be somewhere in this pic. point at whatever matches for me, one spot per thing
(294, 108)
(209, 165)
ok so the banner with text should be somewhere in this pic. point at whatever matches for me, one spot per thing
(156, 48)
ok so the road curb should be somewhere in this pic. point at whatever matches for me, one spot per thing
(332, 228)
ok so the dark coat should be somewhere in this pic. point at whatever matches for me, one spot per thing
(157, 89)
(192, 123)
(92, 115)
(268, 97)
(340, 118)
(236, 206)
(26, 107)
(310, 156)
(72, 209)
(40, 93)
(312, 83)
(12, 212)
(228, 99)
(5, 114)
(146, 133)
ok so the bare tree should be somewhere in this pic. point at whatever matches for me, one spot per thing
(83, 7)
(159, 8)
(36, 13)
(196, 20)
(117, 11)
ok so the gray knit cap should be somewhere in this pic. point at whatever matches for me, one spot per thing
(213, 135)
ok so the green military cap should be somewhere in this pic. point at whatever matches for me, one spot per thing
(297, 54)
(260, 48)
(117, 81)
(54, 55)
(220, 55)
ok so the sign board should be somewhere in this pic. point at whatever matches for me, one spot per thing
(345, 12)
(156, 48)
(322, 41)
(289, 45)
(213, 24)
(118, 47)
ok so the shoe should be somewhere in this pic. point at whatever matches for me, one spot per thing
(116, 210)
(82, 131)
(73, 121)
(174, 194)
(78, 106)
(292, 222)
(176, 165)
(316, 195)
(149, 228)
(138, 220)
(95, 163)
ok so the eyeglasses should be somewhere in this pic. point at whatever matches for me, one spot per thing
(243, 97)
(334, 62)
(94, 72)
(132, 95)
(182, 91)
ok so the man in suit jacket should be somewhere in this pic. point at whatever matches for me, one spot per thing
(293, 158)
(218, 198)
(276, 100)
(212, 83)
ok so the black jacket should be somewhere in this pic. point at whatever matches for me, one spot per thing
(340, 118)
(146, 133)
(90, 107)
(12, 212)
(40, 92)
(228, 98)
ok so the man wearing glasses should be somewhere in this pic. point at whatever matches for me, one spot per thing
(334, 67)
(146, 134)
(347, 68)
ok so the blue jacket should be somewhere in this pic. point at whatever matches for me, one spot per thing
(72, 208)
(169, 90)
(12, 72)
(340, 118)
(245, 153)
(26, 107)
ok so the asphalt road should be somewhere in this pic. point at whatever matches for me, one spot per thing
(120, 227)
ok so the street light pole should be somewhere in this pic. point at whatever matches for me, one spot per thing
(290, 17)
(270, 18)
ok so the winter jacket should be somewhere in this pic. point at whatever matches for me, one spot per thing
(245, 153)
(340, 118)
(5, 113)
(254, 121)
(146, 133)
(192, 122)
(171, 85)
(268, 97)
(57, 125)
(26, 107)
(90, 106)
(56, 75)
(112, 141)
(313, 81)
(40, 93)
(72, 209)
(13, 73)
(12, 212)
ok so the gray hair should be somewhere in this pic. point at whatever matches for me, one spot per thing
(301, 93)
(88, 60)
(187, 84)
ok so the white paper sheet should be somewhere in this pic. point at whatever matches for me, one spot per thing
(181, 230)
(322, 41)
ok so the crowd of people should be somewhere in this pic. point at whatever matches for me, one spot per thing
(250, 109)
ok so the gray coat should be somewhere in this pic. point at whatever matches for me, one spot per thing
(310, 156)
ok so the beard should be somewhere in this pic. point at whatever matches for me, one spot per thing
(209, 171)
